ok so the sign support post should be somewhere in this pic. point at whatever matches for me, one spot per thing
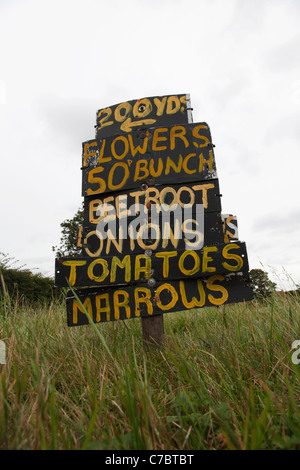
(153, 330)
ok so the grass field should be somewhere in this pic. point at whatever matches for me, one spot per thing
(223, 380)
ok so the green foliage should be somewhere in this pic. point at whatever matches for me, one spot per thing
(68, 242)
(17, 282)
(261, 284)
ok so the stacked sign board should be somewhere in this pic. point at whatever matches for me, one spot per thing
(153, 237)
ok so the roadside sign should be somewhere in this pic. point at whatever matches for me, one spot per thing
(122, 303)
(154, 239)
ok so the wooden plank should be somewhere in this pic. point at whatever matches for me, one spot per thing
(151, 266)
(122, 303)
(229, 221)
(126, 203)
(152, 156)
(123, 118)
(166, 235)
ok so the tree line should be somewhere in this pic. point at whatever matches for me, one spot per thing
(18, 282)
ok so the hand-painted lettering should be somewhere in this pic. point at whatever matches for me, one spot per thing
(141, 301)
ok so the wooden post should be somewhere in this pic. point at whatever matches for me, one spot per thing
(153, 330)
(152, 326)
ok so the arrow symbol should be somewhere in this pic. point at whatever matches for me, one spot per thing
(128, 124)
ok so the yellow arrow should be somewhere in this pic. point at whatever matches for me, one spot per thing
(128, 124)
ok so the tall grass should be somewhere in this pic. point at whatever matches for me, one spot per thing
(223, 380)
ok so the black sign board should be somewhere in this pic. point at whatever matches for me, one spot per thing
(162, 155)
(229, 223)
(127, 203)
(122, 303)
(153, 239)
(168, 234)
(151, 266)
(153, 111)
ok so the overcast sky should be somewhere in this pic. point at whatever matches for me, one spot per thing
(239, 60)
